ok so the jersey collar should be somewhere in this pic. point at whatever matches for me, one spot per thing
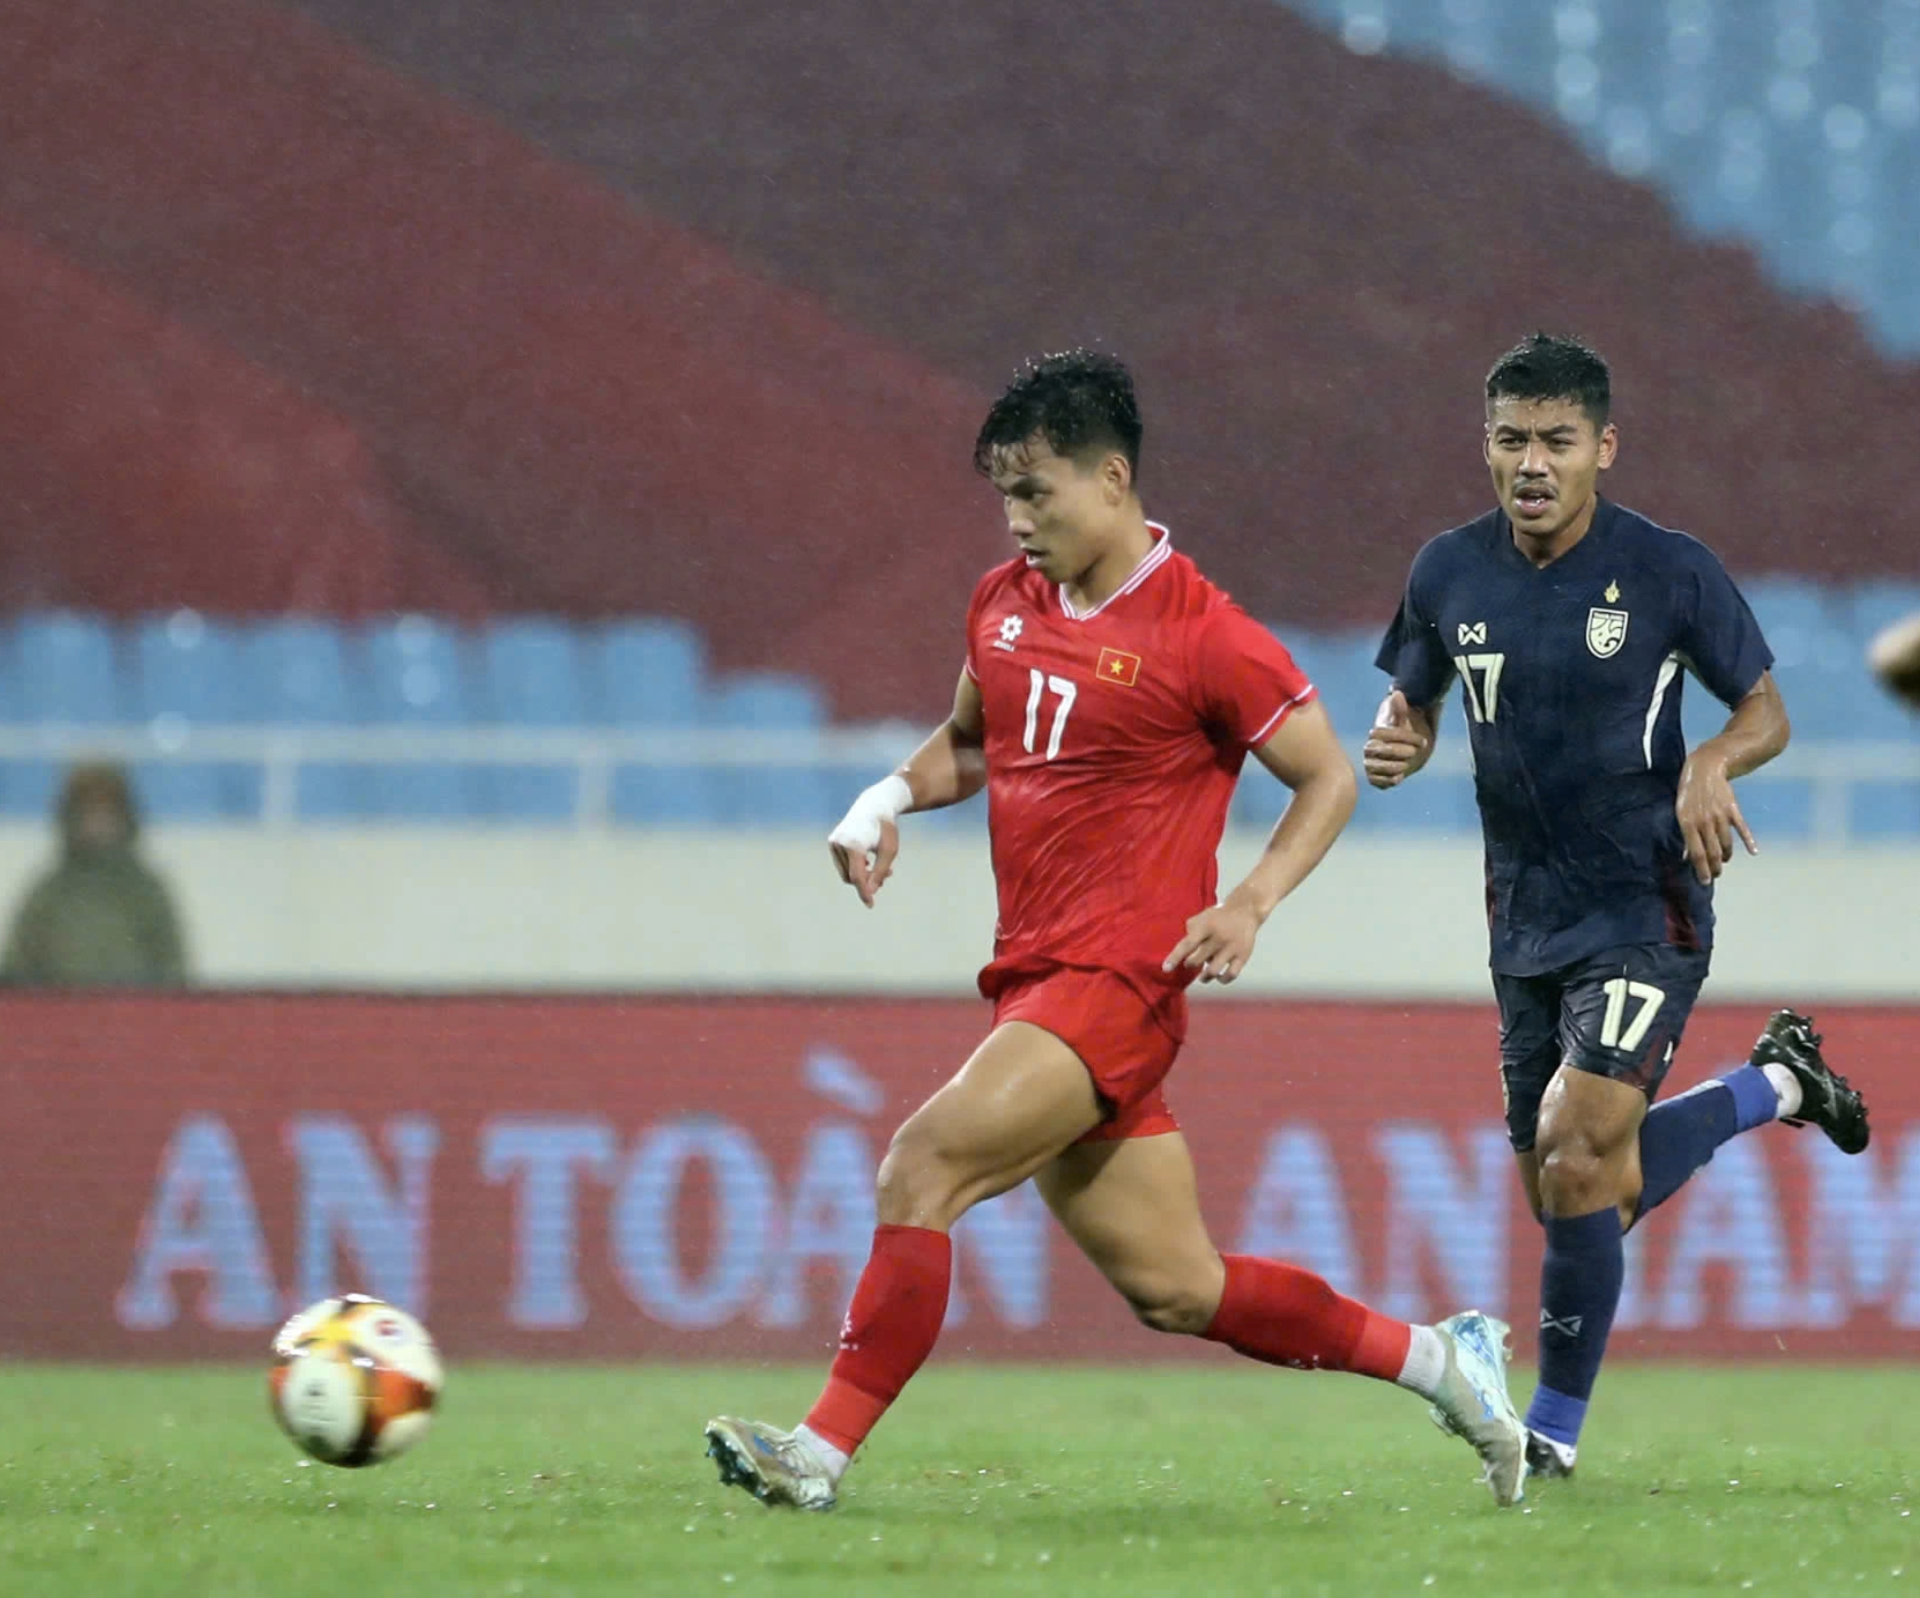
(1601, 525)
(1150, 562)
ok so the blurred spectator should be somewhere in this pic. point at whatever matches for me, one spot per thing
(102, 916)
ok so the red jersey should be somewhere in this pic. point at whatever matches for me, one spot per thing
(1114, 737)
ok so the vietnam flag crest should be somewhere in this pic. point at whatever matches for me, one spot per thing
(1117, 666)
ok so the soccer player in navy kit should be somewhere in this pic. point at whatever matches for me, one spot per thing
(1568, 622)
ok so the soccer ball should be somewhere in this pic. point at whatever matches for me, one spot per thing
(354, 1380)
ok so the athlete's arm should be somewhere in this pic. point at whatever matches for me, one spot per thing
(949, 767)
(1306, 755)
(1413, 655)
(1401, 741)
(1709, 816)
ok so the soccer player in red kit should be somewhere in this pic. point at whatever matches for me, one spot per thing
(1109, 697)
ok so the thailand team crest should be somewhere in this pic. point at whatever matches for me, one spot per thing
(1606, 631)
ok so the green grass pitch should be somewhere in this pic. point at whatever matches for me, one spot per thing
(1183, 1480)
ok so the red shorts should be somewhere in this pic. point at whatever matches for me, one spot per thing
(1123, 1041)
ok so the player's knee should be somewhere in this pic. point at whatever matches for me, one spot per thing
(1575, 1177)
(1183, 1308)
(915, 1187)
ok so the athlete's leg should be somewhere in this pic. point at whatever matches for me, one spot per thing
(1679, 1136)
(1589, 1177)
(1675, 1140)
(1019, 1100)
(1529, 1056)
(1587, 1147)
(1784, 1079)
(1605, 1161)
(1133, 1208)
(1641, 1022)
(1622, 1014)
(1528, 1164)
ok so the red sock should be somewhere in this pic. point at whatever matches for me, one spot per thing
(890, 1329)
(1287, 1316)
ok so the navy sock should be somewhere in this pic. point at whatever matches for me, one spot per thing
(1755, 1102)
(1580, 1281)
(1679, 1137)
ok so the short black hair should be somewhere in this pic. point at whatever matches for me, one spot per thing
(1078, 400)
(1550, 367)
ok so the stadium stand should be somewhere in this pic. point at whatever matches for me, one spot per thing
(297, 671)
(180, 684)
(63, 670)
(413, 674)
(185, 672)
(653, 674)
(1791, 124)
(1275, 342)
(532, 676)
(1309, 322)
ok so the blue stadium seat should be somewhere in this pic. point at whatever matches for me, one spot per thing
(652, 675)
(187, 674)
(1508, 42)
(1849, 61)
(185, 665)
(13, 710)
(531, 677)
(1833, 694)
(64, 672)
(294, 673)
(1825, 697)
(1868, 607)
(1340, 665)
(415, 676)
(67, 670)
(1897, 308)
(1782, 602)
(1743, 197)
(1630, 42)
(1871, 713)
(1776, 808)
(23, 791)
(1800, 163)
(1817, 668)
(796, 796)
(1785, 124)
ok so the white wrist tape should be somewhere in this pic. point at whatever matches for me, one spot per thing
(859, 828)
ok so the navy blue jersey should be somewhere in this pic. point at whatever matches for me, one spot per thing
(1571, 676)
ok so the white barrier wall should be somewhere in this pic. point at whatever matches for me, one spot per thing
(454, 908)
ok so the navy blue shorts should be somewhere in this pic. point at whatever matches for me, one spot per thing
(1618, 1014)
